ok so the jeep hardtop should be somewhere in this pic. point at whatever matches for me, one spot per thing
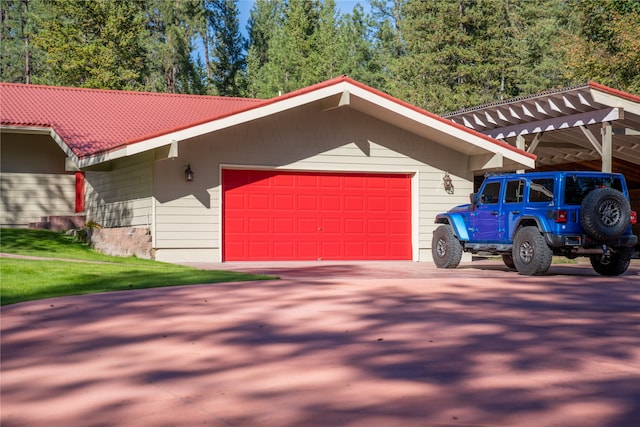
(528, 218)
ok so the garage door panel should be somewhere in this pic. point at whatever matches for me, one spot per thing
(354, 204)
(307, 202)
(274, 215)
(377, 203)
(284, 250)
(307, 181)
(283, 181)
(259, 201)
(377, 226)
(354, 226)
(284, 202)
(236, 201)
(259, 226)
(284, 226)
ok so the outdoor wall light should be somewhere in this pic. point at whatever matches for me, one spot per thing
(188, 174)
(448, 183)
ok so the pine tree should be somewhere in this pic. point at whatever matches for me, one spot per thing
(91, 44)
(288, 50)
(172, 28)
(228, 61)
(362, 60)
(266, 17)
(18, 58)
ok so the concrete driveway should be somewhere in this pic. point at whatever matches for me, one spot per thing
(333, 344)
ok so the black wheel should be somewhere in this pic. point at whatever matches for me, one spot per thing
(508, 261)
(605, 214)
(445, 247)
(531, 254)
(615, 264)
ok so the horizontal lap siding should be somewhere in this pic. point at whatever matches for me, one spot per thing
(28, 197)
(33, 182)
(340, 140)
(121, 197)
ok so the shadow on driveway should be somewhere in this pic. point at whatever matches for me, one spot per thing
(342, 344)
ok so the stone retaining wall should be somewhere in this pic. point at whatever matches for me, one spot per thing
(125, 241)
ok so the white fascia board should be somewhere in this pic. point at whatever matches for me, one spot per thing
(233, 120)
(45, 130)
(277, 106)
(456, 132)
(259, 112)
(612, 100)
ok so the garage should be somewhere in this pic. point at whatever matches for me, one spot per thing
(275, 216)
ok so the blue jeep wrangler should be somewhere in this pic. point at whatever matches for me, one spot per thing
(528, 218)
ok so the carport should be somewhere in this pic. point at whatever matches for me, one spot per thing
(589, 126)
(586, 127)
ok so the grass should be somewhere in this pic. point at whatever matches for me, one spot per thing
(77, 269)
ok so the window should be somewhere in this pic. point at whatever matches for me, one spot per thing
(541, 190)
(514, 191)
(577, 187)
(491, 193)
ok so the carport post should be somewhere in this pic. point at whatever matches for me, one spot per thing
(606, 147)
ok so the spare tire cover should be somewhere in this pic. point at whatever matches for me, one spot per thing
(605, 214)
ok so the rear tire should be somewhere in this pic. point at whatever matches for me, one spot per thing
(605, 214)
(531, 254)
(446, 249)
(508, 261)
(613, 265)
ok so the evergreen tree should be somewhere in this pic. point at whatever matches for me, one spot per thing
(327, 56)
(266, 17)
(538, 30)
(91, 44)
(228, 62)
(289, 47)
(172, 28)
(18, 58)
(362, 60)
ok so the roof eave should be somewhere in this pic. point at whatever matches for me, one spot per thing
(366, 99)
(44, 130)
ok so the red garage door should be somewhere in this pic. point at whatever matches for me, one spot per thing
(272, 215)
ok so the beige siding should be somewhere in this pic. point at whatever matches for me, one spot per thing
(33, 182)
(188, 215)
(121, 197)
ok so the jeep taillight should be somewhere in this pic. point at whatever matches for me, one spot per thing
(560, 216)
(634, 217)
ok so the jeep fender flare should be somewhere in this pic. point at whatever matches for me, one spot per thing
(527, 221)
(457, 223)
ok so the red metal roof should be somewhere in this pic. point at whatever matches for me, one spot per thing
(91, 121)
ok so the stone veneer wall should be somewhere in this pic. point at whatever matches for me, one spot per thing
(125, 241)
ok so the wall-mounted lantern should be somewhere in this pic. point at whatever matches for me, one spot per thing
(448, 183)
(188, 174)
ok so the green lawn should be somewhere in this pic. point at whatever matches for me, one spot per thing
(25, 280)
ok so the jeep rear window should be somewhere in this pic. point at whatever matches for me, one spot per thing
(541, 190)
(577, 187)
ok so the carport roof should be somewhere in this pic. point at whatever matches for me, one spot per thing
(96, 126)
(564, 125)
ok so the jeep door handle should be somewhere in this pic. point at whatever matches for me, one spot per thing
(494, 213)
(515, 212)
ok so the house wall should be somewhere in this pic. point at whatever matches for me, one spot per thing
(188, 215)
(33, 182)
(122, 195)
